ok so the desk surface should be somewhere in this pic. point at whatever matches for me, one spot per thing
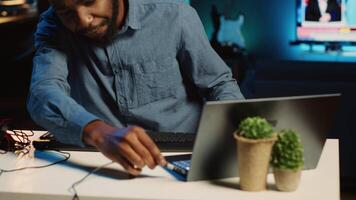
(112, 183)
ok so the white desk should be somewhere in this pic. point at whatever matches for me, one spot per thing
(53, 182)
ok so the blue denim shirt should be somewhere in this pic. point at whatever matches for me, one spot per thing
(157, 73)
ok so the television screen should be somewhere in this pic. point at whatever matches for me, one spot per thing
(326, 20)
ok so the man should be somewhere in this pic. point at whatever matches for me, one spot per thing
(105, 68)
(323, 11)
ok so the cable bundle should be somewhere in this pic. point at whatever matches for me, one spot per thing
(13, 140)
(18, 142)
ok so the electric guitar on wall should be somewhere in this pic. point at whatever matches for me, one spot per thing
(230, 31)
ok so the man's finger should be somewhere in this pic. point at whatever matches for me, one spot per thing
(152, 148)
(130, 155)
(144, 153)
(131, 169)
(125, 164)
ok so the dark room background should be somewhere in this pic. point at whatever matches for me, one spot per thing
(268, 66)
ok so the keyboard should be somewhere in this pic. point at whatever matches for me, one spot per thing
(166, 142)
(173, 141)
(184, 164)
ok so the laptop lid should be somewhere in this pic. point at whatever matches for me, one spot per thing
(214, 154)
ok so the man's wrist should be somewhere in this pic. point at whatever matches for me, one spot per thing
(94, 130)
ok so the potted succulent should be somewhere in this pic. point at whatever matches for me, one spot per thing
(287, 160)
(255, 138)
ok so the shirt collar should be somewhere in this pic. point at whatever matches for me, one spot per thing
(132, 16)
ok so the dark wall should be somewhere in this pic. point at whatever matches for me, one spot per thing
(16, 53)
(269, 28)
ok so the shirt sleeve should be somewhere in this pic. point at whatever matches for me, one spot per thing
(49, 102)
(207, 71)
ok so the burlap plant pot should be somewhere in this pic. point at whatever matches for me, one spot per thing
(253, 161)
(287, 179)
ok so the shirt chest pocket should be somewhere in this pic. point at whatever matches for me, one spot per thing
(155, 80)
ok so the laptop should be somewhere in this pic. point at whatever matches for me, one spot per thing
(214, 153)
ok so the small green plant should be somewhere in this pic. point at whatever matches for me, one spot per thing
(255, 128)
(287, 152)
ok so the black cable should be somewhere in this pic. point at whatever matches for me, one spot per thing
(21, 145)
(73, 186)
(65, 154)
(22, 142)
(14, 140)
(66, 157)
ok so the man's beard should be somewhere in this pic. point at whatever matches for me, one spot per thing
(110, 23)
(112, 27)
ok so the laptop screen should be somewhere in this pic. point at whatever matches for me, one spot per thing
(214, 154)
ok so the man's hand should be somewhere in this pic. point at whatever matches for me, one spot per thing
(325, 17)
(131, 147)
